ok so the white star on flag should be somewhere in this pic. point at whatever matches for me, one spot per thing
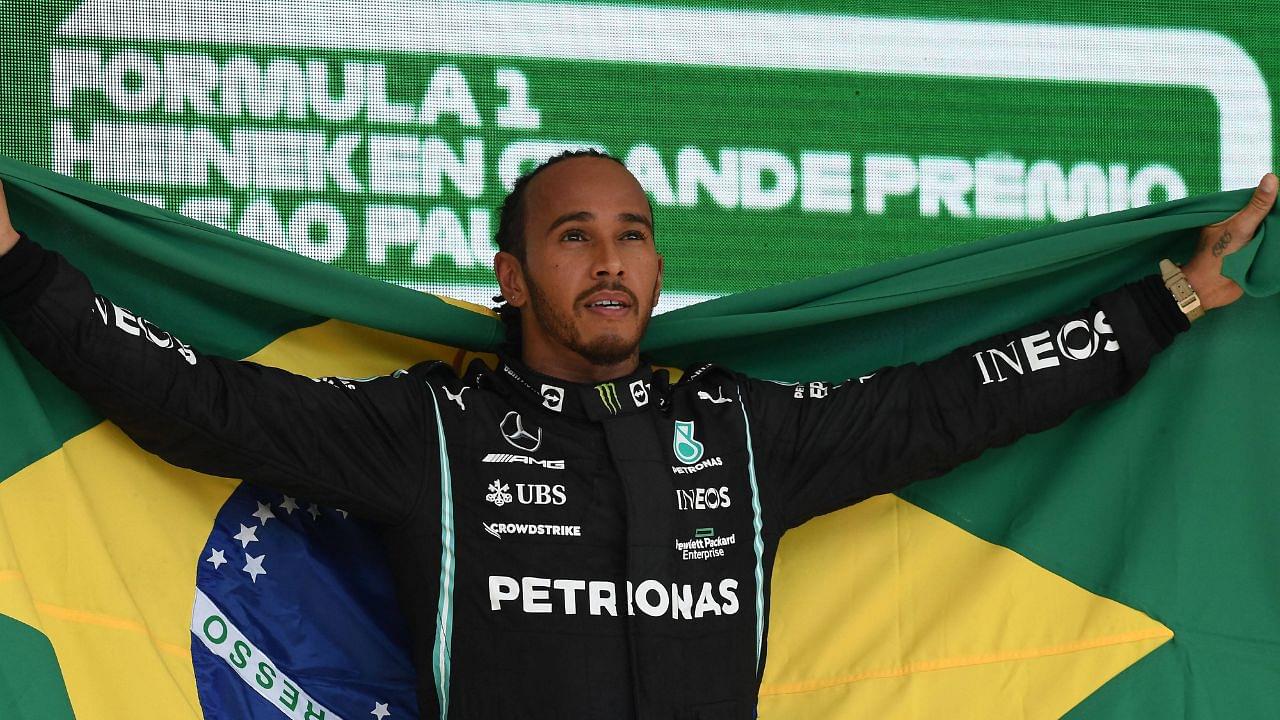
(314, 511)
(247, 535)
(289, 505)
(344, 513)
(253, 566)
(380, 710)
(264, 513)
(216, 558)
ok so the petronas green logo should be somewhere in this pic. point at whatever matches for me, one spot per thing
(609, 396)
(687, 449)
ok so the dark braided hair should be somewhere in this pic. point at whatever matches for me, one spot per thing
(510, 237)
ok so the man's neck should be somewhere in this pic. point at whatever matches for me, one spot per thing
(569, 366)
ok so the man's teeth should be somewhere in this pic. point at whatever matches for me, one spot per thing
(606, 303)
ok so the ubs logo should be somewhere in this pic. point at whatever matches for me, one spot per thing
(540, 494)
(512, 427)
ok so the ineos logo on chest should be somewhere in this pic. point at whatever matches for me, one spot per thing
(703, 498)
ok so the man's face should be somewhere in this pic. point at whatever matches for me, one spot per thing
(591, 274)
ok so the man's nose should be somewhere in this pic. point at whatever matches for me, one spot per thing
(608, 261)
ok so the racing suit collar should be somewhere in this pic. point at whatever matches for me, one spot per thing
(600, 401)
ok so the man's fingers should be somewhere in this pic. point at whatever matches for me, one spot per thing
(1251, 216)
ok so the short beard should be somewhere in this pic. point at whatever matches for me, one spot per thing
(603, 351)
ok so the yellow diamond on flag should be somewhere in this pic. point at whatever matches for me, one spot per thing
(884, 610)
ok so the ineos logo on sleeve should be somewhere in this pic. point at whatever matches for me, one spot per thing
(512, 427)
(1044, 349)
(553, 397)
(139, 326)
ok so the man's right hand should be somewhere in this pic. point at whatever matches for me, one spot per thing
(8, 236)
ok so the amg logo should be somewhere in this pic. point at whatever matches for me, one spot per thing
(1076, 340)
(523, 460)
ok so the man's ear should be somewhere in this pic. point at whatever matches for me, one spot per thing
(657, 288)
(510, 273)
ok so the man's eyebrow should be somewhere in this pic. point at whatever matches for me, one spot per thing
(632, 217)
(570, 217)
(586, 215)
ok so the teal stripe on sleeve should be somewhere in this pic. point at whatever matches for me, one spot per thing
(441, 650)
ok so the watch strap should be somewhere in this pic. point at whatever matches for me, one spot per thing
(1183, 294)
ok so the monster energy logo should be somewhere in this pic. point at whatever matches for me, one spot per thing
(609, 396)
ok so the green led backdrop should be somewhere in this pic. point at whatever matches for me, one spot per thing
(777, 139)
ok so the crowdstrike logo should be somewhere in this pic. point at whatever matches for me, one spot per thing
(655, 598)
(499, 529)
(512, 427)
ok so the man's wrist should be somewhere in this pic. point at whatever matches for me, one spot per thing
(1214, 289)
(1183, 290)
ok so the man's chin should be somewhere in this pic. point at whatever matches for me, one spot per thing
(608, 350)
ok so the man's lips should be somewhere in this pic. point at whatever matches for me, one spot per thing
(610, 303)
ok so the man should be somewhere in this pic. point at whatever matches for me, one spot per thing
(595, 534)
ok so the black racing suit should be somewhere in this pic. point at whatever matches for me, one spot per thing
(579, 551)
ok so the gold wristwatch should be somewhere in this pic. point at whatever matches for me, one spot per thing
(1183, 294)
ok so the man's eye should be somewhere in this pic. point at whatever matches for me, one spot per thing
(633, 235)
(574, 236)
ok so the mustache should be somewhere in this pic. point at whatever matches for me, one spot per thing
(608, 287)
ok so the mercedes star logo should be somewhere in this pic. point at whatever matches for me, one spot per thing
(512, 428)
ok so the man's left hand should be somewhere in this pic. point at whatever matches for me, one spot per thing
(1204, 269)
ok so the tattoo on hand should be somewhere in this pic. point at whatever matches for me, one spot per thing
(1221, 246)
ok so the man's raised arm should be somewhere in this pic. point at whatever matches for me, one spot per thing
(363, 446)
(833, 448)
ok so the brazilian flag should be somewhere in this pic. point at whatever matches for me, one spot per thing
(1122, 565)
